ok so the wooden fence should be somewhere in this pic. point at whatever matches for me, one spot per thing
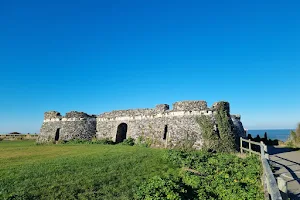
(268, 176)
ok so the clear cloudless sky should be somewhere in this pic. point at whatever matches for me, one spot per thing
(97, 56)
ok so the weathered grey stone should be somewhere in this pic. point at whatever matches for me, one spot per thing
(76, 114)
(164, 127)
(162, 107)
(178, 129)
(75, 125)
(189, 105)
(236, 119)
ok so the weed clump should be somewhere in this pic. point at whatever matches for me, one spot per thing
(294, 138)
(129, 142)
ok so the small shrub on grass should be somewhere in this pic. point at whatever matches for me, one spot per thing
(158, 188)
(61, 142)
(128, 141)
(143, 142)
(294, 138)
(290, 144)
(187, 159)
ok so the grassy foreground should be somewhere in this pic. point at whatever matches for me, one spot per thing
(91, 171)
(28, 171)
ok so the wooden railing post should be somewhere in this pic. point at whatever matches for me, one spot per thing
(250, 146)
(241, 147)
(262, 150)
(266, 152)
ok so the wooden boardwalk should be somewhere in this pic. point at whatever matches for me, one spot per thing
(287, 165)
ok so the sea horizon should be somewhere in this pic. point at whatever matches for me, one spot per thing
(279, 134)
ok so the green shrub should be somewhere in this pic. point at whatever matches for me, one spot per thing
(61, 142)
(158, 188)
(129, 141)
(187, 159)
(143, 142)
(294, 138)
(290, 144)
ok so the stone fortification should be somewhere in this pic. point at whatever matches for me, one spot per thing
(73, 125)
(162, 126)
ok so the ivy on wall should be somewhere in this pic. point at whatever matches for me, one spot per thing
(218, 131)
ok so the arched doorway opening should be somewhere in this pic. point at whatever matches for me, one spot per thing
(121, 133)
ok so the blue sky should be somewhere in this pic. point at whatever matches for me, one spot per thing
(97, 56)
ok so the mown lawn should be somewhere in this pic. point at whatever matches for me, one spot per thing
(29, 171)
(95, 171)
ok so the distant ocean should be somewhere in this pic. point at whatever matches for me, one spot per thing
(280, 134)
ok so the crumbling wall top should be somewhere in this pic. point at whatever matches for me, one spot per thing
(182, 107)
(72, 114)
(238, 117)
(190, 105)
(217, 106)
(76, 114)
(51, 115)
(162, 107)
(129, 113)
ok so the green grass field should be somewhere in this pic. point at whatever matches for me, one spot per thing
(29, 171)
(94, 171)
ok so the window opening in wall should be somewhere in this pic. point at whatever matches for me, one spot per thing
(57, 134)
(165, 132)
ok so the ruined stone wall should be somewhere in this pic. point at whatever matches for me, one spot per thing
(164, 130)
(164, 127)
(74, 125)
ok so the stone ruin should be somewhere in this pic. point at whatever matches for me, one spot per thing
(164, 127)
